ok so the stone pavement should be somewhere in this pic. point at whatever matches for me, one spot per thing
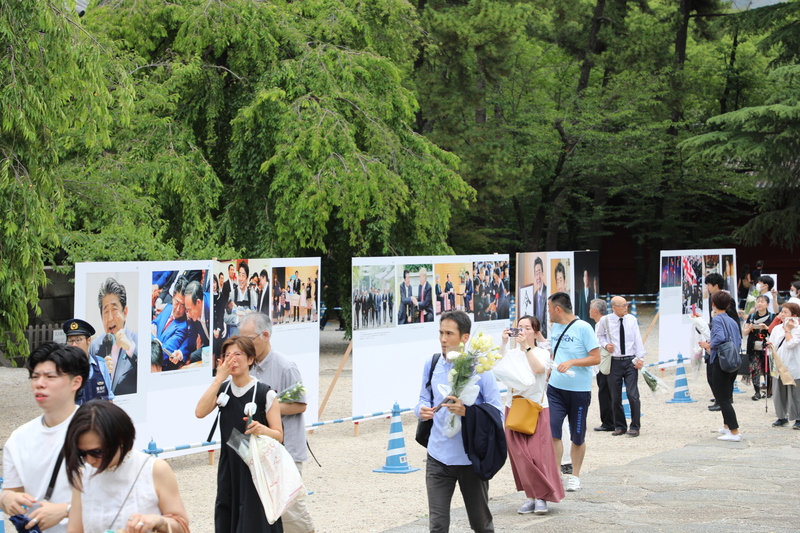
(708, 486)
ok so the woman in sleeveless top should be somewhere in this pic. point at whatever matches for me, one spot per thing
(114, 486)
(238, 507)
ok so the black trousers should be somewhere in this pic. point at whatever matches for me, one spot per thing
(622, 369)
(722, 386)
(604, 399)
(440, 480)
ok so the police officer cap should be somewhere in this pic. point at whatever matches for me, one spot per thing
(76, 326)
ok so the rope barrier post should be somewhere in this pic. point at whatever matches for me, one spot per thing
(355, 429)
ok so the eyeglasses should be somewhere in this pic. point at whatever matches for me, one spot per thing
(236, 354)
(97, 453)
(75, 341)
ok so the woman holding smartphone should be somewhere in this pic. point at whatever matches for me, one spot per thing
(532, 457)
(785, 340)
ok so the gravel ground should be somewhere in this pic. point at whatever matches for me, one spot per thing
(348, 496)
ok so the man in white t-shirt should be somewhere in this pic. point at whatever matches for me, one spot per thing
(57, 373)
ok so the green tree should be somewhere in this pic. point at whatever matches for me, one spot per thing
(59, 86)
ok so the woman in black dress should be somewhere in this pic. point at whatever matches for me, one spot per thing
(238, 508)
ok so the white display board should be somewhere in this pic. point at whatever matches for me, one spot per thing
(683, 292)
(162, 398)
(393, 335)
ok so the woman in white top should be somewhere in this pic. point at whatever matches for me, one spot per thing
(532, 457)
(114, 486)
(785, 339)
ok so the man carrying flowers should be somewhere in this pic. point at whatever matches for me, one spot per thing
(460, 380)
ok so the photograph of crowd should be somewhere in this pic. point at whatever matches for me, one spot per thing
(295, 295)
(118, 343)
(180, 311)
(415, 294)
(692, 285)
(373, 297)
(492, 290)
(670, 271)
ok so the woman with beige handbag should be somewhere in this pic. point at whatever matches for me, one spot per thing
(530, 443)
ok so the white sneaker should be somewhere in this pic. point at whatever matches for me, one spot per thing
(573, 484)
(528, 507)
(723, 431)
(540, 507)
(730, 437)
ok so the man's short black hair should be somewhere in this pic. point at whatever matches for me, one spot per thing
(194, 290)
(538, 261)
(715, 279)
(69, 360)
(243, 265)
(461, 319)
(768, 281)
(760, 263)
(264, 273)
(112, 286)
(405, 273)
(180, 285)
(562, 300)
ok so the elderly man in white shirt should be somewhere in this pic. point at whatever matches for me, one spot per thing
(620, 335)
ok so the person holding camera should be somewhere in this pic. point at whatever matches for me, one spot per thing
(785, 340)
(533, 460)
(757, 330)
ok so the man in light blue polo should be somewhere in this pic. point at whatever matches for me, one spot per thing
(576, 351)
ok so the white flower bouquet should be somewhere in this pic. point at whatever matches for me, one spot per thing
(468, 364)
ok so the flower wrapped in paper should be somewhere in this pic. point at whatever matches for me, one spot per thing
(655, 383)
(292, 394)
(462, 381)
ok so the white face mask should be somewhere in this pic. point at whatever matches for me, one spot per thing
(793, 293)
(760, 287)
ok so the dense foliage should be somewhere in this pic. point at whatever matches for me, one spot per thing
(219, 128)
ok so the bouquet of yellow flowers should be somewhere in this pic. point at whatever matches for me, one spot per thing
(468, 364)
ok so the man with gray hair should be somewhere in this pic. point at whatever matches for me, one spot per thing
(597, 311)
(280, 373)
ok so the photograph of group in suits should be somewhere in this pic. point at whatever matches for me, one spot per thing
(110, 304)
(492, 290)
(453, 287)
(414, 294)
(180, 328)
(373, 297)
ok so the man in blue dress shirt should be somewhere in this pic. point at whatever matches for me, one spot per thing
(448, 462)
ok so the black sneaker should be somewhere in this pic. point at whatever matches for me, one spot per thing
(714, 407)
(796, 424)
(779, 423)
(566, 469)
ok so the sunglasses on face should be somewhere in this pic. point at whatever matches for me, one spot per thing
(96, 453)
